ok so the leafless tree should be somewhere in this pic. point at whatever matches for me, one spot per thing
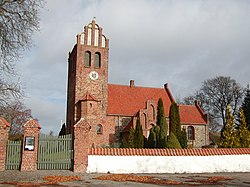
(214, 96)
(18, 20)
(16, 114)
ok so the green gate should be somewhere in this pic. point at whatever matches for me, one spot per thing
(55, 153)
(13, 155)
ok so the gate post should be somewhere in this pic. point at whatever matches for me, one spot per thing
(4, 131)
(81, 145)
(31, 130)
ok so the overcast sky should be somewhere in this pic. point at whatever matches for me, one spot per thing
(181, 43)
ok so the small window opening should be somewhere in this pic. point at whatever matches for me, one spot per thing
(97, 60)
(99, 129)
(87, 59)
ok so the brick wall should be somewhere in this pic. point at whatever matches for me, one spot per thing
(4, 134)
(29, 157)
(81, 144)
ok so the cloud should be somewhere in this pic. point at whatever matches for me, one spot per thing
(153, 42)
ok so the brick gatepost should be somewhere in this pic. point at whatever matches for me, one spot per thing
(31, 130)
(81, 145)
(4, 134)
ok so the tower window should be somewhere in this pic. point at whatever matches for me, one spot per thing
(87, 59)
(97, 60)
(99, 129)
(190, 133)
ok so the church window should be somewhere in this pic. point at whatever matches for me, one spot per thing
(190, 133)
(97, 60)
(99, 129)
(87, 59)
(96, 35)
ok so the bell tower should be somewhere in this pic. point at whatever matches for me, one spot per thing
(87, 76)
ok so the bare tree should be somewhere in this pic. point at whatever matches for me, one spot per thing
(215, 94)
(221, 92)
(16, 114)
(18, 20)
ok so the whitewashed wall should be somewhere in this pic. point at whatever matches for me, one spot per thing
(168, 164)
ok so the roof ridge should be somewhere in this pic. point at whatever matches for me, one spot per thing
(136, 86)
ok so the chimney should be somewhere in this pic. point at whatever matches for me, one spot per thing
(196, 102)
(132, 83)
(166, 86)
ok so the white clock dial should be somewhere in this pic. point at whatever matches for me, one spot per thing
(93, 75)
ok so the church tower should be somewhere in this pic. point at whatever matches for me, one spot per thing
(88, 77)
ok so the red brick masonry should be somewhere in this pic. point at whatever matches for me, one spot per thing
(168, 152)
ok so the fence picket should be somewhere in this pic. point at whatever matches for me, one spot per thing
(13, 155)
(54, 152)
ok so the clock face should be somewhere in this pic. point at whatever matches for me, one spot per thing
(93, 75)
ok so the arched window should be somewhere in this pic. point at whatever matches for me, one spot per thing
(87, 59)
(99, 129)
(97, 60)
(191, 133)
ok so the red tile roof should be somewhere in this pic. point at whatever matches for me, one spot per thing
(191, 114)
(168, 152)
(4, 122)
(127, 101)
(88, 97)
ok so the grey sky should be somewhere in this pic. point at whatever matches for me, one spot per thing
(153, 42)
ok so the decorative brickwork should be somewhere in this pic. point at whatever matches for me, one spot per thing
(81, 145)
(168, 152)
(114, 108)
(29, 157)
(4, 132)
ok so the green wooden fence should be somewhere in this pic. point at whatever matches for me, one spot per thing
(13, 155)
(55, 153)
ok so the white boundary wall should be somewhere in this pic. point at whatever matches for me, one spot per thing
(168, 164)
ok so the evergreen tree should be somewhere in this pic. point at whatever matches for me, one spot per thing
(152, 138)
(243, 134)
(138, 137)
(174, 120)
(63, 130)
(183, 139)
(161, 122)
(124, 143)
(157, 136)
(173, 142)
(246, 108)
(228, 133)
(131, 138)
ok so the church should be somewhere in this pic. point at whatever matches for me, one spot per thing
(110, 109)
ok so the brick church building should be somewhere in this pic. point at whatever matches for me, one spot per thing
(110, 110)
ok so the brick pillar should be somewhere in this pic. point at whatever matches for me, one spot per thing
(31, 130)
(4, 134)
(81, 145)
